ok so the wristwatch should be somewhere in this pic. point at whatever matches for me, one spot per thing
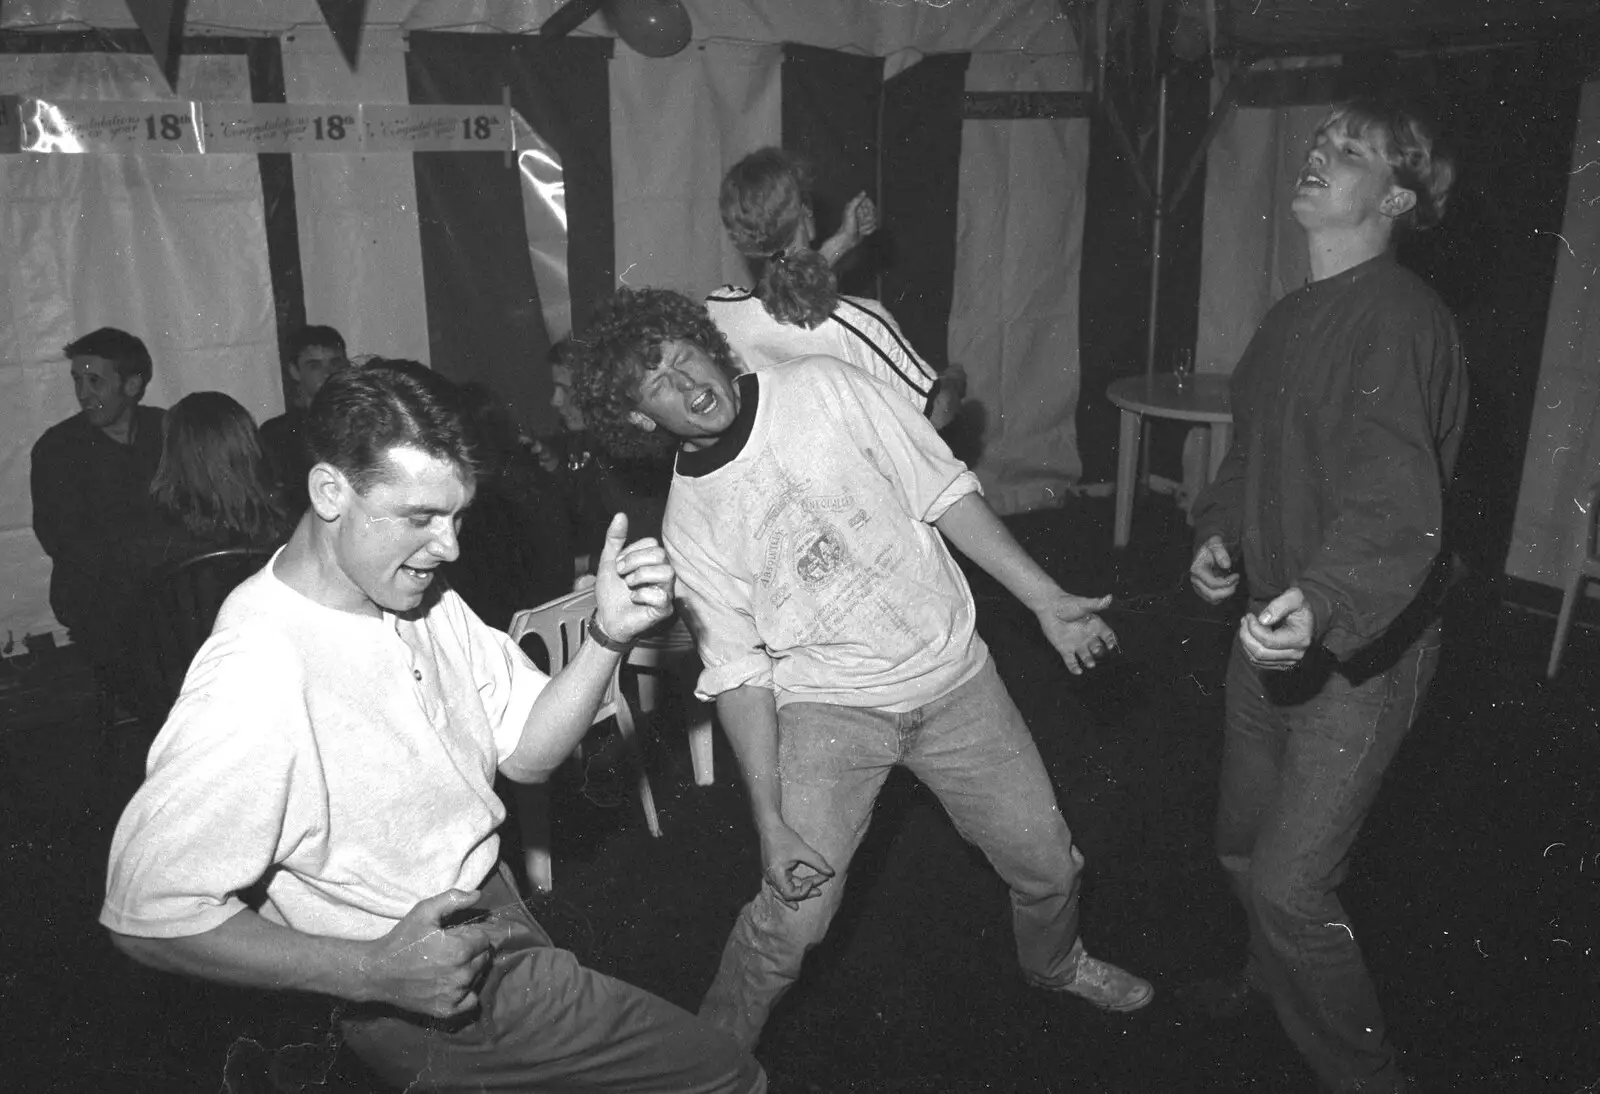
(604, 640)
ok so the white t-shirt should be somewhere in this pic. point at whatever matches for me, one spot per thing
(349, 760)
(805, 549)
(860, 332)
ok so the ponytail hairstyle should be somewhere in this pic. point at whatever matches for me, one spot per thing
(765, 199)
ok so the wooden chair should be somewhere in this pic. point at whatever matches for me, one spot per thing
(173, 617)
(559, 624)
(1587, 569)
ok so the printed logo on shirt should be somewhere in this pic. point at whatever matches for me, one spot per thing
(819, 558)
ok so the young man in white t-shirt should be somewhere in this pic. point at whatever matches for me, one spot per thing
(337, 740)
(837, 633)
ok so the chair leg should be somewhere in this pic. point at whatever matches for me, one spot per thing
(630, 742)
(533, 817)
(1569, 601)
(700, 744)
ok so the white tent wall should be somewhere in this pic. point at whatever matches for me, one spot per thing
(676, 125)
(1252, 251)
(1014, 317)
(151, 244)
(360, 257)
(1563, 456)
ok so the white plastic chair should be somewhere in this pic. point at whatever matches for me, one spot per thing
(670, 651)
(1586, 569)
(560, 624)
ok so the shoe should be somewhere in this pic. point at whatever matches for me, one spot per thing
(1103, 985)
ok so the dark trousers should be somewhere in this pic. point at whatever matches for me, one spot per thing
(548, 1024)
(1304, 755)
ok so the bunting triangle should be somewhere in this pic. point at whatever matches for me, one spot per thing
(162, 24)
(345, 18)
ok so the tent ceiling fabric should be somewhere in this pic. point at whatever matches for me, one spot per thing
(1335, 26)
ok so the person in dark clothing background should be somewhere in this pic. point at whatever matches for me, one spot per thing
(90, 479)
(1348, 411)
(315, 353)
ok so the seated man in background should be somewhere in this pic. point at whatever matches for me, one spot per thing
(838, 634)
(315, 353)
(90, 480)
(336, 742)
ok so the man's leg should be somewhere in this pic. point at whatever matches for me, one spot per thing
(1338, 744)
(972, 749)
(832, 762)
(548, 1023)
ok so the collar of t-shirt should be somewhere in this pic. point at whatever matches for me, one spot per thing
(727, 447)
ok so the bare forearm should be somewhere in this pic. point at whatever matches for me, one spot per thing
(973, 527)
(253, 952)
(749, 717)
(561, 715)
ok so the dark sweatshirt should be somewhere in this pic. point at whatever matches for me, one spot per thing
(1348, 409)
(90, 495)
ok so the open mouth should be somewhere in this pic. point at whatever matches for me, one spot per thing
(703, 403)
(418, 574)
(1309, 178)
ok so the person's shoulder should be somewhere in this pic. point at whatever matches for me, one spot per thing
(150, 415)
(64, 434)
(856, 305)
(729, 294)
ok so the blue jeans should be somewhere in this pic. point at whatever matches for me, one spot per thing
(547, 1023)
(972, 749)
(1304, 754)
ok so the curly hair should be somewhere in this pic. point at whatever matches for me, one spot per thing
(212, 477)
(764, 200)
(621, 344)
(1409, 145)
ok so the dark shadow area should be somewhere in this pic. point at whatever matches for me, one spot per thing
(1475, 890)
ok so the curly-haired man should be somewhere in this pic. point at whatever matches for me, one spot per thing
(837, 634)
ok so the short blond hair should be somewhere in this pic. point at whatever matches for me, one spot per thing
(1409, 145)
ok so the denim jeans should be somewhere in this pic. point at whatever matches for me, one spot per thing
(548, 1023)
(1304, 754)
(973, 750)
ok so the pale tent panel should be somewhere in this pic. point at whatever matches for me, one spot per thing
(1253, 252)
(1563, 456)
(880, 27)
(129, 242)
(676, 125)
(1014, 316)
(360, 255)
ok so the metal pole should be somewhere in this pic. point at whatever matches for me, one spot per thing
(1159, 199)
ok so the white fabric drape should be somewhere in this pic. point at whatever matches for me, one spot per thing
(360, 256)
(677, 124)
(171, 248)
(1563, 454)
(1014, 317)
(1253, 251)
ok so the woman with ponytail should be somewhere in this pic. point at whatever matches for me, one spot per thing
(795, 309)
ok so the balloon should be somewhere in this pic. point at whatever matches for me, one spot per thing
(656, 28)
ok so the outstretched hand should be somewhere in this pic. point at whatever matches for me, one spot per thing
(1278, 636)
(1079, 636)
(791, 867)
(633, 585)
(428, 968)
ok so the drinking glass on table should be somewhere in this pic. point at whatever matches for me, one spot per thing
(1183, 368)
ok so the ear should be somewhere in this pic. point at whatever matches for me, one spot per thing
(1399, 202)
(330, 491)
(133, 387)
(294, 370)
(642, 420)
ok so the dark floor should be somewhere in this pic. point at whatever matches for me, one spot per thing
(1475, 891)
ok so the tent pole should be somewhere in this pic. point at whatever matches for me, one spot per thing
(1158, 202)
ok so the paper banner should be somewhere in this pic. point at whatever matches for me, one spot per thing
(83, 126)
